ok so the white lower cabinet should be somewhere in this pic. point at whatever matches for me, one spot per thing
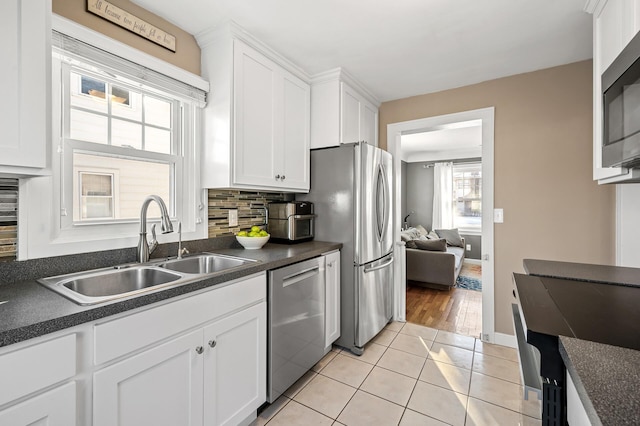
(56, 407)
(332, 302)
(235, 361)
(162, 386)
(29, 370)
(213, 373)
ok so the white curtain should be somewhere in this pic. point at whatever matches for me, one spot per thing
(442, 196)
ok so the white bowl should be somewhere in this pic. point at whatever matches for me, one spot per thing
(252, 243)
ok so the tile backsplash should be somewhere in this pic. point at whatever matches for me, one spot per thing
(249, 206)
(8, 218)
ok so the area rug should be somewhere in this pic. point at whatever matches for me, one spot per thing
(470, 277)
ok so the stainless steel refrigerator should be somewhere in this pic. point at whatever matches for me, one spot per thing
(351, 188)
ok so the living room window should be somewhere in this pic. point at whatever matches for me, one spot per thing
(467, 196)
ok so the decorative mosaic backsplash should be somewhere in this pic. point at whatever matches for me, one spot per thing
(8, 218)
(250, 206)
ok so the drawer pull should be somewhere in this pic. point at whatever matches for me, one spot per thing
(199, 350)
(212, 343)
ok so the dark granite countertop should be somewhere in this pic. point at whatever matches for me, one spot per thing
(607, 379)
(583, 272)
(586, 310)
(32, 310)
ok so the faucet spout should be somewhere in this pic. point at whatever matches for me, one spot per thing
(144, 251)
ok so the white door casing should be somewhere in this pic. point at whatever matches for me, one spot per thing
(394, 133)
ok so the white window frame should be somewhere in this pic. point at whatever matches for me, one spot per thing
(42, 231)
(469, 230)
(68, 146)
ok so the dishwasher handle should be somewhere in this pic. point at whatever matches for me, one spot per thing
(300, 276)
(375, 268)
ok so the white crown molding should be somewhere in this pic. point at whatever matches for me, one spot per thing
(232, 30)
(101, 41)
(343, 75)
(591, 6)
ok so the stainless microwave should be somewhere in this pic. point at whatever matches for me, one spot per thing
(621, 109)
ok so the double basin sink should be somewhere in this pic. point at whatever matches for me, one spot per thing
(102, 285)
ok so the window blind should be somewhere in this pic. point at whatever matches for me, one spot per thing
(120, 67)
(8, 218)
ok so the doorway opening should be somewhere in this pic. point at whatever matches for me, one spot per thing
(459, 147)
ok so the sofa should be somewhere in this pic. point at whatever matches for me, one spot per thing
(437, 264)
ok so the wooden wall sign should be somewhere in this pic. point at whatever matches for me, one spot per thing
(130, 22)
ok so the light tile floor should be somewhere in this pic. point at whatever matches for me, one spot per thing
(409, 375)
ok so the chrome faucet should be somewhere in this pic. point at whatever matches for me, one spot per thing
(146, 248)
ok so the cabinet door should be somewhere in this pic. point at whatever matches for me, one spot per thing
(162, 386)
(609, 36)
(369, 123)
(350, 117)
(255, 87)
(292, 150)
(332, 303)
(235, 366)
(54, 408)
(24, 82)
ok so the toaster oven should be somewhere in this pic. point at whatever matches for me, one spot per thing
(291, 221)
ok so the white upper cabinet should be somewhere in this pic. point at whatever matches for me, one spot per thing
(615, 22)
(257, 119)
(25, 81)
(342, 111)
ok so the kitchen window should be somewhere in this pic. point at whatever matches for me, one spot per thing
(120, 132)
(130, 129)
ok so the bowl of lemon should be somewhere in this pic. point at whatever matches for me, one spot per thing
(253, 239)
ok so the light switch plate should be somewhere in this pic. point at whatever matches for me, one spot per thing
(233, 217)
(498, 215)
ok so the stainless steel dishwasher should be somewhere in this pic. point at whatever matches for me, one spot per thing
(296, 323)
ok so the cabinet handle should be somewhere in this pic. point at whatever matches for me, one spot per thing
(199, 350)
(277, 177)
(212, 343)
(282, 177)
(330, 265)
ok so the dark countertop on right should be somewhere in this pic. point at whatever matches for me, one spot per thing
(606, 274)
(597, 305)
(607, 379)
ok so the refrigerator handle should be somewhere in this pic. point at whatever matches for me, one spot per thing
(385, 201)
(375, 268)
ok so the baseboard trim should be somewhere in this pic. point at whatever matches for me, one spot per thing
(505, 340)
(473, 261)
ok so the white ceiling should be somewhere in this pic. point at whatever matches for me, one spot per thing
(458, 140)
(403, 48)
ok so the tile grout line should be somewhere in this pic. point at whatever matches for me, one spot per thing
(417, 379)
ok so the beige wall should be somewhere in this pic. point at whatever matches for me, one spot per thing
(543, 168)
(186, 56)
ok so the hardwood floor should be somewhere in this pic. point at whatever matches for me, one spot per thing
(456, 310)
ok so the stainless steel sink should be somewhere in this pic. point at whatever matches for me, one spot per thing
(204, 263)
(120, 281)
(103, 285)
(91, 287)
